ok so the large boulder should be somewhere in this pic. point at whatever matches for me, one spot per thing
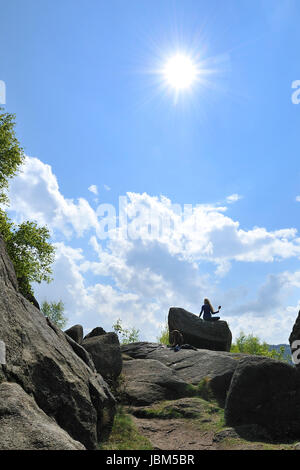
(294, 341)
(148, 381)
(215, 336)
(215, 367)
(24, 426)
(106, 354)
(76, 333)
(40, 359)
(266, 392)
(98, 331)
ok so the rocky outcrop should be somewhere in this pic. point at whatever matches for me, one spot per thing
(149, 381)
(106, 354)
(98, 331)
(191, 366)
(215, 336)
(79, 350)
(265, 392)
(294, 341)
(40, 359)
(25, 426)
(141, 349)
(76, 333)
(7, 273)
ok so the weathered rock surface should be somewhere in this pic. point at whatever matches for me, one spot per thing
(80, 351)
(142, 349)
(148, 381)
(246, 431)
(191, 366)
(188, 407)
(76, 333)
(23, 425)
(98, 331)
(294, 341)
(265, 392)
(215, 336)
(106, 354)
(40, 359)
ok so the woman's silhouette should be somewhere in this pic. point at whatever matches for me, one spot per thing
(208, 311)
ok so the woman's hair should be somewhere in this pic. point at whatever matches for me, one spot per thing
(207, 302)
(176, 338)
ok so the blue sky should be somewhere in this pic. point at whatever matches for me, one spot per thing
(91, 108)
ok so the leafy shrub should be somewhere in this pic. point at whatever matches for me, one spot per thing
(164, 335)
(55, 312)
(126, 336)
(250, 344)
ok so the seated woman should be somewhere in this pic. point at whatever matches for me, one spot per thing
(208, 311)
(176, 339)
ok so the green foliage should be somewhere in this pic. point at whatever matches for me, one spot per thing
(250, 344)
(202, 390)
(11, 154)
(164, 335)
(124, 435)
(26, 243)
(55, 312)
(30, 251)
(126, 336)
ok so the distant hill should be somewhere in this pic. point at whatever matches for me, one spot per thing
(287, 350)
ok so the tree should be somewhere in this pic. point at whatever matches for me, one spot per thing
(30, 251)
(55, 312)
(250, 344)
(27, 244)
(11, 153)
(126, 336)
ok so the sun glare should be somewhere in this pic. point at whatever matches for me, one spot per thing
(180, 72)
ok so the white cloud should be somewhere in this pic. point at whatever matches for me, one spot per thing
(139, 278)
(298, 198)
(35, 195)
(97, 303)
(267, 315)
(233, 198)
(93, 189)
(107, 188)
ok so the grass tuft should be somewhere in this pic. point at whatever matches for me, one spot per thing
(124, 435)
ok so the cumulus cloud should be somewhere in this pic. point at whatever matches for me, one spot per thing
(156, 254)
(35, 195)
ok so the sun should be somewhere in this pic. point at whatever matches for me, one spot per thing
(180, 72)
